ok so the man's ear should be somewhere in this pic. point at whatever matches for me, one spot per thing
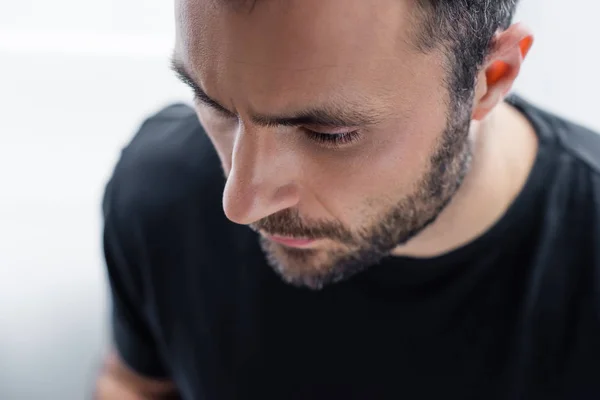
(501, 68)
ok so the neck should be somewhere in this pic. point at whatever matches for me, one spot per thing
(504, 148)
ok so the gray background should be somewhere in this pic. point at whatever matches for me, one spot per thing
(76, 79)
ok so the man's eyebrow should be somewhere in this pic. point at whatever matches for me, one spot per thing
(327, 116)
(179, 68)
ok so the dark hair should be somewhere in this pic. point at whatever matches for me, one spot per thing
(464, 29)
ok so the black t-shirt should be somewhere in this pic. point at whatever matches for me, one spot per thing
(515, 314)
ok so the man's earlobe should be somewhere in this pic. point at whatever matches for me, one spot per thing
(502, 68)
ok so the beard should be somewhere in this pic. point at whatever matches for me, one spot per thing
(357, 250)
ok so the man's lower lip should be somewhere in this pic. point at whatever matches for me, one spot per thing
(292, 242)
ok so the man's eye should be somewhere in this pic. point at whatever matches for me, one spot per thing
(332, 139)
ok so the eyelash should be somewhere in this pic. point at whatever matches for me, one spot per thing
(332, 139)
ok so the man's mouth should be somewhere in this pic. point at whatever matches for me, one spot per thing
(299, 243)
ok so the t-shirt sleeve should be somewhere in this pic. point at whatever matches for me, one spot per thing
(131, 331)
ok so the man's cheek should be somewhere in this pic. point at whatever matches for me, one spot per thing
(222, 142)
(224, 152)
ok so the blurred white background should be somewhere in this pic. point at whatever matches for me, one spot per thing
(76, 79)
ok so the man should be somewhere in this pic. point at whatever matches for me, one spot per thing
(392, 227)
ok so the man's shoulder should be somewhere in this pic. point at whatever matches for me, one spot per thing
(579, 141)
(169, 162)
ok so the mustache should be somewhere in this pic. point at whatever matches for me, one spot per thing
(289, 223)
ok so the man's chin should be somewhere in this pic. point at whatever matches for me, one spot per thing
(299, 267)
(313, 268)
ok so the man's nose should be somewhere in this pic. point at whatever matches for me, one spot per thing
(261, 180)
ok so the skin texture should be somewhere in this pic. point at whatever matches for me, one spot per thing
(365, 199)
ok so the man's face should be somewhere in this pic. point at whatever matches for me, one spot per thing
(335, 134)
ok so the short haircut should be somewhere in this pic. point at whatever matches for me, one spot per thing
(464, 29)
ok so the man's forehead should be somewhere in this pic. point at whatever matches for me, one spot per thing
(304, 33)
